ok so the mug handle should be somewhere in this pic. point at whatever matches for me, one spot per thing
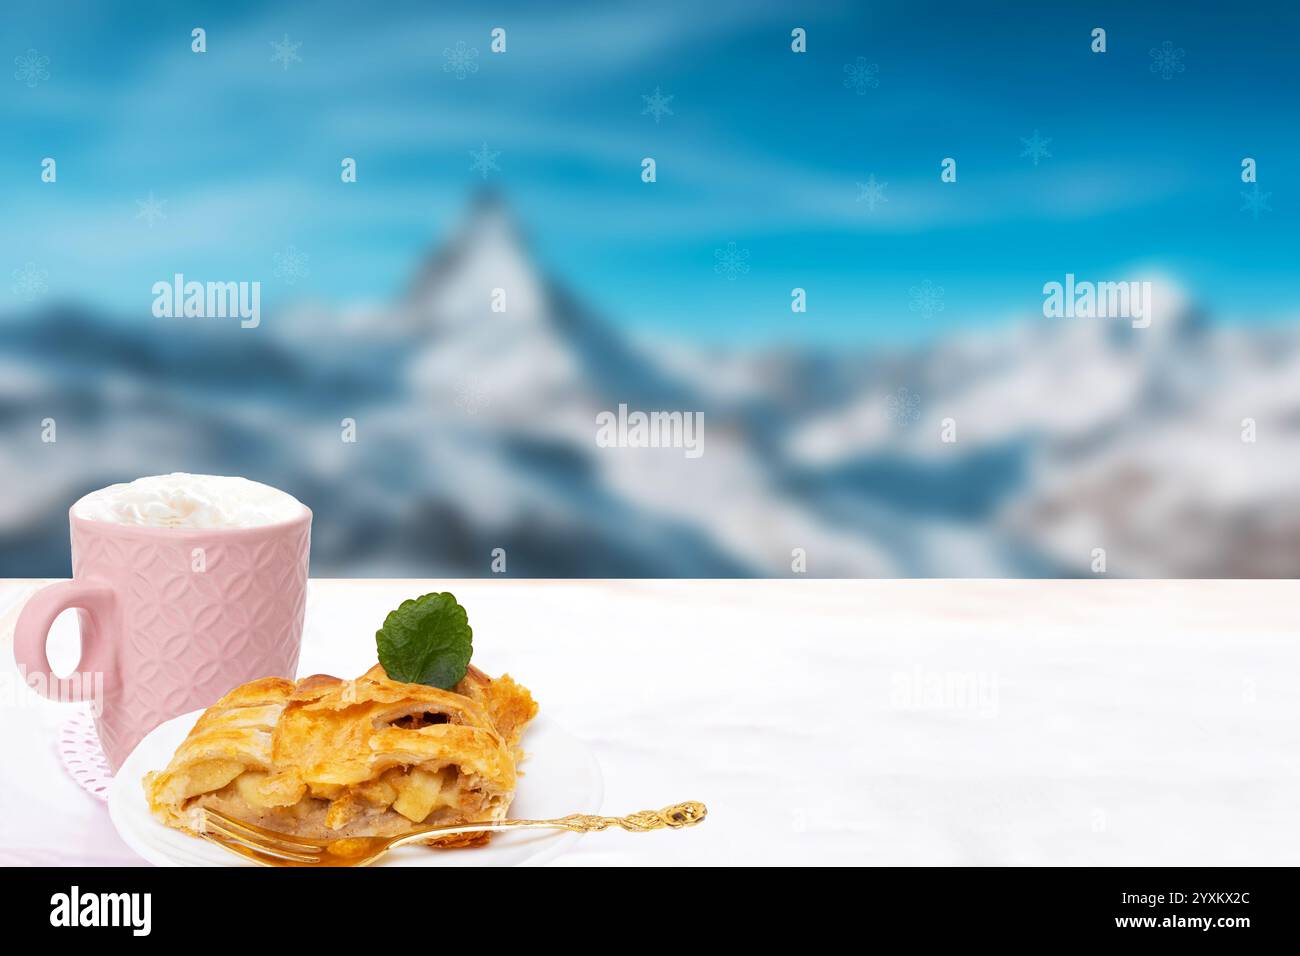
(32, 630)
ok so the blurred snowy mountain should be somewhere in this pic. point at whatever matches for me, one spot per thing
(475, 401)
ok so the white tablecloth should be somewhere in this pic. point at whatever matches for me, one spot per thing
(900, 722)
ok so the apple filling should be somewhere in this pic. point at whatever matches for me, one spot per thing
(390, 804)
(414, 721)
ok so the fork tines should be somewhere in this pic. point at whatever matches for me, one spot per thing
(257, 843)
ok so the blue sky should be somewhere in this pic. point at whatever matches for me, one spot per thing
(763, 148)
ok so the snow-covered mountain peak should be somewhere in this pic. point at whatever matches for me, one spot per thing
(483, 313)
(485, 273)
(491, 324)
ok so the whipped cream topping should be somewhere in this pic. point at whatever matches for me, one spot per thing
(180, 500)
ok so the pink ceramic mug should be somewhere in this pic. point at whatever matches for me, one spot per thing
(171, 619)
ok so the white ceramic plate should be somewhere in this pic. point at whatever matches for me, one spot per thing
(560, 776)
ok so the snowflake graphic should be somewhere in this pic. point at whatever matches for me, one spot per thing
(291, 265)
(151, 210)
(1255, 202)
(471, 398)
(286, 52)
(656, 105)
(927, 298)
(872, 193)
(31, 68)
(485, 160)
(29, 281)
(1036, 147)
(903, 407)
(732, 263)
(460, 59)
(1166, 60)
(860, 76)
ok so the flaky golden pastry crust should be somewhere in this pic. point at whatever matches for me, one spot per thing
(331, 758)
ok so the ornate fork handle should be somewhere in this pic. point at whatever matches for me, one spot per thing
(674, 817)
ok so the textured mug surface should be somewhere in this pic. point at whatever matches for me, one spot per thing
(173, 618)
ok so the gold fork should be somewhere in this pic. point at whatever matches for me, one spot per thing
(271, 848)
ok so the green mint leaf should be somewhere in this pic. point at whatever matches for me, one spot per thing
(426, 640)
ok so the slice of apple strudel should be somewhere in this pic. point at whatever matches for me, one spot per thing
(327, 758)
